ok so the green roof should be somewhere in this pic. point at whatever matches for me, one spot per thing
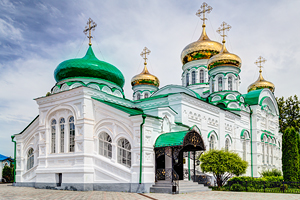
(88, 67)
(252, 97)
(131, 111)
(170, 139)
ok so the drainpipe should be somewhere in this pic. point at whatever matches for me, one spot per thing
(251, 142)
(12, 139)
(141, 147)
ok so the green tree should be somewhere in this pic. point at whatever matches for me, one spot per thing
(7, 173)
(290, 155)
(223, 165)
(289, 111)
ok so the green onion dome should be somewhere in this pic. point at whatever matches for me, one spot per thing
(89, 67)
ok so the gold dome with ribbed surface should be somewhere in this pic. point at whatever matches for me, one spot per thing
(145, 78)
(261, 83)
(224, 58)
(203, 48)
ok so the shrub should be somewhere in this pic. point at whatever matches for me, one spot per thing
(8, 174)
(285, 187)
(237, 187)
(273, 172)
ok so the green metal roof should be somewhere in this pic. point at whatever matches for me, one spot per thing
(170, 139)
(131, 111)
(252, 97)
(89, 67)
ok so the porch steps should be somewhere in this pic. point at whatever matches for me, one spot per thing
(165, 186)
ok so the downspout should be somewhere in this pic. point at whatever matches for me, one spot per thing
(251, 142)
(12, 139)
(141, 147)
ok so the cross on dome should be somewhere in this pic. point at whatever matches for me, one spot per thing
(91, 27)
(204, 8)
(259, 63)
(144, 54)
(221, 30)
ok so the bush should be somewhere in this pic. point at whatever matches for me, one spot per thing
(7, 174)
(237, 187)
(273, 172)
(285, 187)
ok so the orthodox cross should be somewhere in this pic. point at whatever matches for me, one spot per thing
(91, 27)
(260, 61)
(222, 29)
(144, 54)
(204, 8)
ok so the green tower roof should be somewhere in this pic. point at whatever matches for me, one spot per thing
(88, 67)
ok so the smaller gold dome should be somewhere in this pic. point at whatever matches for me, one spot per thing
(145, 78)
(261, 83)
(203, 48)
(224, 58)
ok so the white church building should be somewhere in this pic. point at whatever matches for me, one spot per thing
(89, 136)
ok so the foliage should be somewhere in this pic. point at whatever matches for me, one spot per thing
(223, 165)
(237, 187)
(273, 172)
(7, 174)
(289, 111)
(290, 155)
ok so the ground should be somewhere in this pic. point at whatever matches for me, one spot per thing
(7, 192)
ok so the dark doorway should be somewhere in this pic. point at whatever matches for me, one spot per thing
(59, 180)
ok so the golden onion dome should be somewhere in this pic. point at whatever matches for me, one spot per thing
(203, 48)
(261, 83)
(145, 78)
(224, 58)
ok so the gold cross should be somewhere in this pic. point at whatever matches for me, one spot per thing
(91, 27)
(222, 29)
(204, 8)
(144, 54)
(260, 61)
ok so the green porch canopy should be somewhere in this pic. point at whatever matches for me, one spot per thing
(171, 139)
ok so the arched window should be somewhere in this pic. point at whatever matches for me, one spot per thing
(227, 144)
(72, 134)
(212, 142)
(187, 79)
(201, 76)
(220, 84)
(62, 134)
(212, 86)
(124, 152)
(53, 133)
(263, 152)
(30, 159)
(193, 77)
(146, 95)
(138, 96)
(105, 148)
(268, 153)
(230, 83)
(271, 146)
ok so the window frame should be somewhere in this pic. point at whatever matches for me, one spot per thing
(71, 134)
(123, 154)
(53, 135)
(106, 147)
(30, 158)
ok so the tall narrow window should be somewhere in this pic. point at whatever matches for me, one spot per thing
(201, 76)
(138, 96)
(212, 142)
(124, 152)
(53, 133)
(263, 152)
(220, 84)
(229, 83)
(146, 95)
(245, 150)
(62, 134)
(227, 144)
(30, 159)
(267, 153)
(212, 86)
(193, 77)
(271, 154)
(187, 79)
(72, 134)
(105, 148)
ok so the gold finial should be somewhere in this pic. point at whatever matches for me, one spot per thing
(91, 27)
(260, 61)
(144, 54)
(204, 8)
(222, 29)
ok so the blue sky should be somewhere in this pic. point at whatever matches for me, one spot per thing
(35, 36)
